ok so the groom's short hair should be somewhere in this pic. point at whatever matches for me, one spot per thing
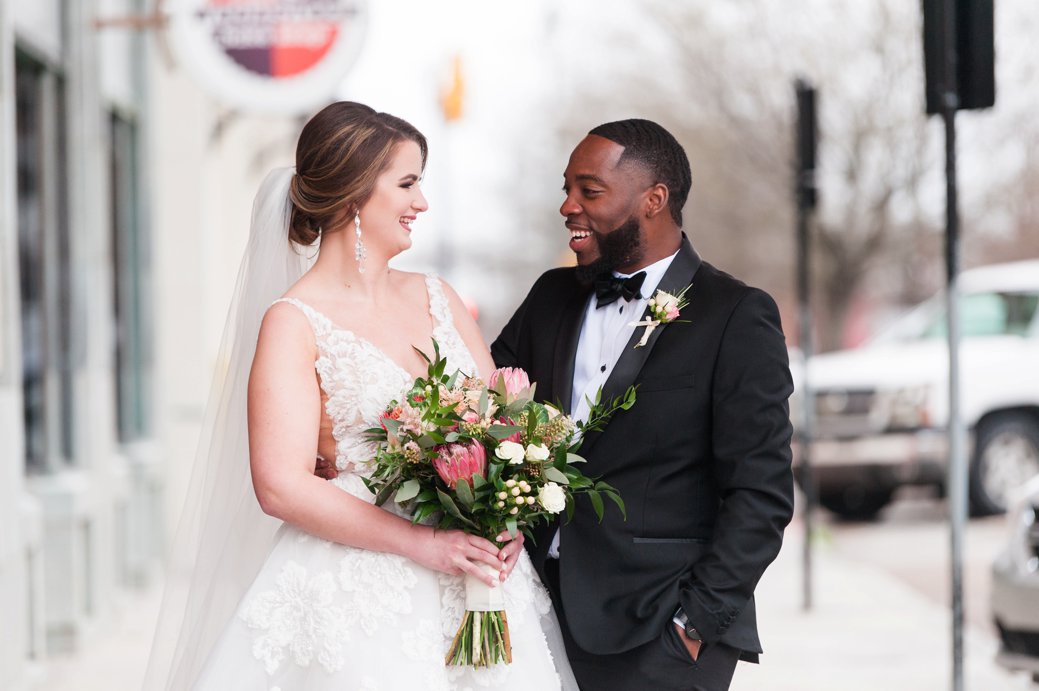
(658, 151)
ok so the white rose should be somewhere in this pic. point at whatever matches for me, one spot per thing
(665, 301)
(552, 497)
(537, 452)
(510, 451)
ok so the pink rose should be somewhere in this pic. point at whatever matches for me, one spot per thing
(456, 462)
(516, 379)
(672, 314)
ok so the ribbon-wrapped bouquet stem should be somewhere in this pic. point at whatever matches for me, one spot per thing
(484, 458)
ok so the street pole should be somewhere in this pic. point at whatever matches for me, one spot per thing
(957, 479)
(806, 200)
(959, 74)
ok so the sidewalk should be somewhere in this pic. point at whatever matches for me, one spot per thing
(866, 632)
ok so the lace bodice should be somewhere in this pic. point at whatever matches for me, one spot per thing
(360, 380)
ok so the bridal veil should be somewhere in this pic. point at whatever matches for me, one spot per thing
(223, 536)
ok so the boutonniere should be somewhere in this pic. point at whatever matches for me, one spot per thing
(664, 308)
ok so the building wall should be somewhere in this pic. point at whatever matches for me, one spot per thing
(79, 524)
(14, 530)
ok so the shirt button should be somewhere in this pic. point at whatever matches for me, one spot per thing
(603, 368)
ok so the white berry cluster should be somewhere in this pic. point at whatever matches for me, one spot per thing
(517, 493)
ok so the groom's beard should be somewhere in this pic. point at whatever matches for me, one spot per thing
(621, 247)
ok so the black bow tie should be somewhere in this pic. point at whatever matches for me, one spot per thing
(609, 289)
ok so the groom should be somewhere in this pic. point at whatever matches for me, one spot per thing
(665, 598)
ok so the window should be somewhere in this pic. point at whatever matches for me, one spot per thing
(991, 314)
(43, 264)
(129, 270)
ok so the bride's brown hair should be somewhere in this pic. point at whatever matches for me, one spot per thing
(341, 152)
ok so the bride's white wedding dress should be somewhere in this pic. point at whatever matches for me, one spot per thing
(321, 615)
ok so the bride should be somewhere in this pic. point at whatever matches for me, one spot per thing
(280, 579)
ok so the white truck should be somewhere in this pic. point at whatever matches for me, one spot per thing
(881, 410)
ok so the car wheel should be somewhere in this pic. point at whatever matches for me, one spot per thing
(855, 503)
(1006, 455)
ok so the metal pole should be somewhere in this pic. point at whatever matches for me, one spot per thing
(808, 405)
(806, 199)
(957, 479)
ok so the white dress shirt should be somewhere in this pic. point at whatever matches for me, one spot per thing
(604, 334)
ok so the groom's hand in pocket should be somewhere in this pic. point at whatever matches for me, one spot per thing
(509, 554)
(692, 646)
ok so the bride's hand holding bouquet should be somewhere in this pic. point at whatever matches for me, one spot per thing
(485, 458)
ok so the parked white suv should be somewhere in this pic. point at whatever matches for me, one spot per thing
(881, 409)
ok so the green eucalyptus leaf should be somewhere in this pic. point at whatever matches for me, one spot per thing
(392, 426)
(500, 432)
(408, 490)
(555, 475)
(465, 494)
(451, 508)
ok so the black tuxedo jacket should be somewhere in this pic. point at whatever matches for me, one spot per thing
(702, 460)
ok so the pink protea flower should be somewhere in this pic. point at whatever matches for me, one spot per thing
(515, 379)
(460, 462)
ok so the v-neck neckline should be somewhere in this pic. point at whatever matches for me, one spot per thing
(436, 323)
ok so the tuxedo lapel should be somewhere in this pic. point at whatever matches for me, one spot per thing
(566, 347)
(629, 364)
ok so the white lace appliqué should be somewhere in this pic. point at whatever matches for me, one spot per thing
(377, 587)
(298, 617)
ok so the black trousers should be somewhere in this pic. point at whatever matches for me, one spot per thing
(662, 664)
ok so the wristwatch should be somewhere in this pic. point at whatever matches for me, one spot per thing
(690, 631)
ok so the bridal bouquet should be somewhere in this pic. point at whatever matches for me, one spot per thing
(484, 458)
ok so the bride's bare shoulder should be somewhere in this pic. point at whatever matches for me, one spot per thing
(285, 322)
(410, 284)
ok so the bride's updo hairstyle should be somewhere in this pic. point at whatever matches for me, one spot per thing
(341, 152)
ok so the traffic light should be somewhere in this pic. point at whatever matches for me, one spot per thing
(972, 34)
(806, 141)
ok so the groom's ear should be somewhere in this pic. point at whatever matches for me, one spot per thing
(656, 199)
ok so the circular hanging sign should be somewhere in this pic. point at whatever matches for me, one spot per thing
(282, 56)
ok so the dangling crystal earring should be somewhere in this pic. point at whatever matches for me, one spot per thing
(359, 251)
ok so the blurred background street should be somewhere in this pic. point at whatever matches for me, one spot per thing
(134, 134)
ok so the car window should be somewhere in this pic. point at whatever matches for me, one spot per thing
(989, 314)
